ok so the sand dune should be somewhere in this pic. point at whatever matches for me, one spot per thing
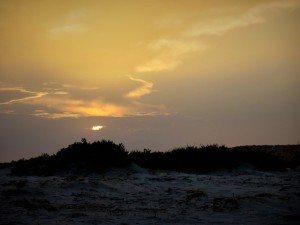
(134, 195)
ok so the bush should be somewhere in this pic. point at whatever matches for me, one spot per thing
(80, 156)
(84, 157)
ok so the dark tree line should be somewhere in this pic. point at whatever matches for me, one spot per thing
(96, 157)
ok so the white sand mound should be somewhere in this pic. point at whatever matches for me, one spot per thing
(138, 196)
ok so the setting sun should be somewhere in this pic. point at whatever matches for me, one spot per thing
(95, 128)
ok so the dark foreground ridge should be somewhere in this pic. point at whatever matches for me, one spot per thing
(84, 158)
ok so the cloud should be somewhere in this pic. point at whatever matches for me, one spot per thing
(78, 107)
(58, 86)
(45, 114)
(7, 111)
(71, 23)
(74, 108)
(170, 52)
(144, 89)
(255, 15)
(61, 93)
(34, 94)
(58, 103)
(71, 86)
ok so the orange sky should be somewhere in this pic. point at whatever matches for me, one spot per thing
(155, 74)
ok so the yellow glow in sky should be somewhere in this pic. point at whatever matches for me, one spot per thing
(53, 47)
(97, 41)
(96, 128)
(213, 65)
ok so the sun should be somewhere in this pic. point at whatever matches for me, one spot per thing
(96, 128)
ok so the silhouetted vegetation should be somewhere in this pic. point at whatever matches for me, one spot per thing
(207, 159)
(80, 157)
(83, 157)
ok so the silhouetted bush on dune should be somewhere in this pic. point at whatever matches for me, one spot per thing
(206, 159)
(80, 157)
(92, 157)
(96, 157)
(41, 165)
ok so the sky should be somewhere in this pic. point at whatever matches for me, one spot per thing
(149, 74)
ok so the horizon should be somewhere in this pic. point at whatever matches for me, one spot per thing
(151, 75)
(84, 140)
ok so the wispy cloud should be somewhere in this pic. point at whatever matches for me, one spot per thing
(71, 23)
(74, 108)
(57, 86)
(72, 86)
(258, 14)
(34, 95)
(63, 101)
(61, 93)
(144, 89)
(170, 52)
(45, 114)
(7, 111)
